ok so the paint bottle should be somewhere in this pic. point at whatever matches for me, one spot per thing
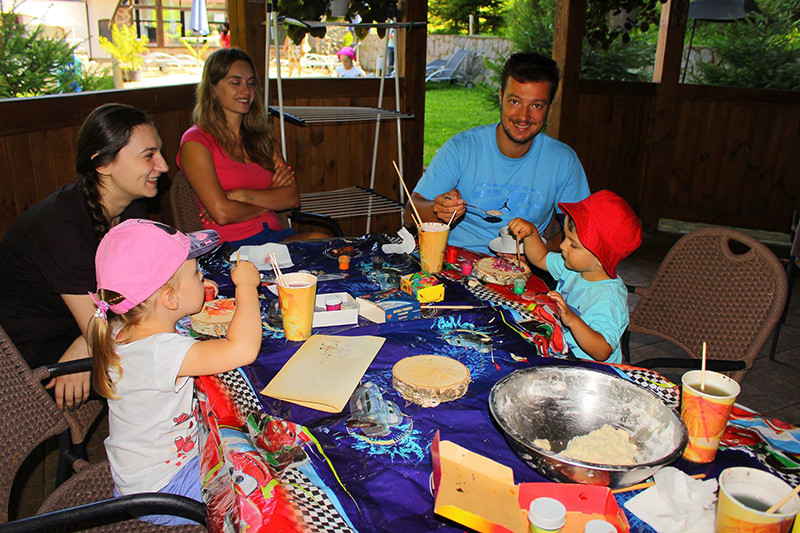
(466, 268)
(344, 262)
(546, 515)
(209, 293)
(333, 302)
(599, 526)
(519, 285)
(451, 255)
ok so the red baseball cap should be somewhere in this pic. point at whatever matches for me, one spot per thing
(607, 226)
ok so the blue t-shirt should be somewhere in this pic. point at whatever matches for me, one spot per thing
(603, 305)
(528, 187)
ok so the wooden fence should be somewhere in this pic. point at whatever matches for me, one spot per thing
(38, 137)
(734, 157)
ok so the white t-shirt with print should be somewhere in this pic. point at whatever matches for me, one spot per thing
(153, 425)
(354, 72)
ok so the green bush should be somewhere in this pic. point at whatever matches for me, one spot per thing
(761, 51)
(32, 64)
(452, 16)
(125, 47)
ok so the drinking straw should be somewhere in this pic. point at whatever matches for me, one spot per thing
(703, 369)
(277, 270)
(784, 500)
(418, 220)
(451, 219)
(427, 306)
(646, 485)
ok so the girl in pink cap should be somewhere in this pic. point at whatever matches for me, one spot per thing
(348, 68)
(147, 280)
(600, 231)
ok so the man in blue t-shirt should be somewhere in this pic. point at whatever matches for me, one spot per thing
(508, 167)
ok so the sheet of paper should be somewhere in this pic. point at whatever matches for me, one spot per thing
(324, 372)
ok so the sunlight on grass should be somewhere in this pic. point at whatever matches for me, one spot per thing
(450, 109)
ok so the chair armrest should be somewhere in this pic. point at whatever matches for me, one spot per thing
(718, 365)
(644, 292)
(112, 510)
(304, 217)
(61, 369)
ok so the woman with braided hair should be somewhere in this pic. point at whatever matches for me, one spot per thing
(47, 256)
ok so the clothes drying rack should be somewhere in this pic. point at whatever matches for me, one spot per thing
(356, 201)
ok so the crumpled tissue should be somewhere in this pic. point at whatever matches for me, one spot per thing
(405, 247)
(677, 503)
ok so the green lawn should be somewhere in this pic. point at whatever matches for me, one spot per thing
(450, 109)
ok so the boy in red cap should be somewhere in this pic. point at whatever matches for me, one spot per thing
(600, 231)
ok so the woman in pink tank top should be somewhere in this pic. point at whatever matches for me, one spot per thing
(231, 156)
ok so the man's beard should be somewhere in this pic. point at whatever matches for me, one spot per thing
(514, 139)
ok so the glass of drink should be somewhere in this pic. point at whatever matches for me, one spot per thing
(705, 412)
(745, 494)
(432, 244)
(297, 296)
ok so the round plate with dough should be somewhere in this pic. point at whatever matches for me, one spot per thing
(429, 380)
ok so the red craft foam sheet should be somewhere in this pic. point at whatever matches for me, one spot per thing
(480, 493)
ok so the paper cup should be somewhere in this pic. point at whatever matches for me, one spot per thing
(744, 495)
(706, 413)
(432, 244)
(297, 299)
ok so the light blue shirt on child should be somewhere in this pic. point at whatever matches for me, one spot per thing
(529, 187)
(603, 305)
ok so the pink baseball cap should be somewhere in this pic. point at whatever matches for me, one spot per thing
(138, 256)
(347, 51)
(607, 226)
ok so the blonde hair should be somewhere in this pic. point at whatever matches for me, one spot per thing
(105, 360)
(258, 137)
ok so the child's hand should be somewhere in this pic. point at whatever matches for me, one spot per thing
(213, 285)
(567, 315)
(244, 274)
(522, 228)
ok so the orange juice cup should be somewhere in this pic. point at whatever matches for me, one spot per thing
(297, 305)
(432, 244)
(744, 496)
(706, 412)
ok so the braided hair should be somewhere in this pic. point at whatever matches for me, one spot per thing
(105, 132)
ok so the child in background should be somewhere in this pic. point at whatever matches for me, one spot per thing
(348, 68)
(147, 276)
(592, 300)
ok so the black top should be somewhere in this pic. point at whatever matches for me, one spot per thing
(49, 251)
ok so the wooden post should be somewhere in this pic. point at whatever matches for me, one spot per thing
(661, 139)
(248, 31)
(411, 59)
(567, 43)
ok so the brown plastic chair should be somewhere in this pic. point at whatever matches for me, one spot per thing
(716, 285)
(30, 418)
(186, 210)
(791, 270)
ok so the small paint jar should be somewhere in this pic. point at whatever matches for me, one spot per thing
(599, 526)
(519, 285)
(466, 268)
(546, 515)
(377, 261)
(450, 255)
(209, 293)
(344, 262)
(333, 302)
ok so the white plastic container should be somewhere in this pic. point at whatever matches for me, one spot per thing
(599, 526)
(546, 515)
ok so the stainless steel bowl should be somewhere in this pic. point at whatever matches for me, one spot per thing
(558, 403)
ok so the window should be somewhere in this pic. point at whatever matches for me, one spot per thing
(164, 22)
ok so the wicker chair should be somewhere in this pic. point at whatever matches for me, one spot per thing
(186, 210)
(31, 417)
(716, 285)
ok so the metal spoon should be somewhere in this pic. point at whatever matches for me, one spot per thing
(493, 213)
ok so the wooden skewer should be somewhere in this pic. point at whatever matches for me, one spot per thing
(519, 261)
(783, 501)
(703, 369)
(648, 484)
(419, 218)
(428, 306)
(238, 256)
